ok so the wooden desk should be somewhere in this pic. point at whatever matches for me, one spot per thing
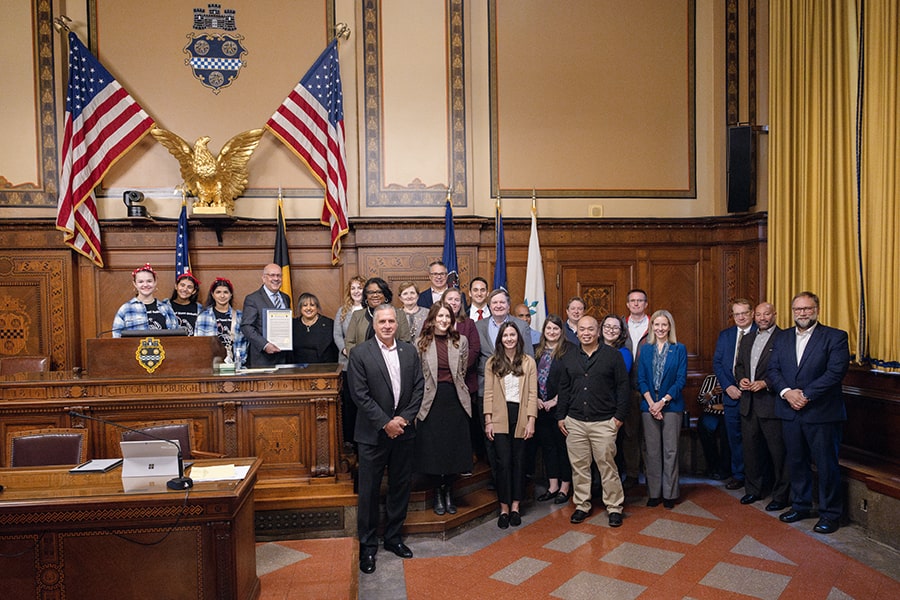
(288, 418)
(81, 537)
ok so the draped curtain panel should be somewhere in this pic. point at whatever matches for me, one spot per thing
(834, 186)
(880, 182)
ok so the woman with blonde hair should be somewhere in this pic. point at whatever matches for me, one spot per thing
(662, 375)
(443, 446)
(353, 297)
(415, 314)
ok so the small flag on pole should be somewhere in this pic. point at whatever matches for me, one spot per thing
(282, 257)
(449, 256)
(182, 256)
(500, 264)
(535, 294)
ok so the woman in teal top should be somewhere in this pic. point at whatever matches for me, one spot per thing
(662, 375)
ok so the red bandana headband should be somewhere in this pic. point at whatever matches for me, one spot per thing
(147, 268)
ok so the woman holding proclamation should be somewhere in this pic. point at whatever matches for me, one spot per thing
(144, 311)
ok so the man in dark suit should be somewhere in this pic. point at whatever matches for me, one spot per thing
(764, 455)
(386, 384)
(723, 366)
(437, 273)
(806, 369)
(261, 352)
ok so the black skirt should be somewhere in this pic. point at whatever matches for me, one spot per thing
(443, 442)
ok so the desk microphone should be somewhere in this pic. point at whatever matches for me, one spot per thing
(176, 483)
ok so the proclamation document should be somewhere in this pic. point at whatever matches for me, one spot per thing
(280, 329)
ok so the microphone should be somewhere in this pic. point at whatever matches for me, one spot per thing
(176, 483)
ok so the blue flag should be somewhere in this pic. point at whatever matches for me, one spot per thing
(182, 258)
(500, 265)
(449, 257)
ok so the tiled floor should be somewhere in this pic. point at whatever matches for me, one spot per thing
(709, 546)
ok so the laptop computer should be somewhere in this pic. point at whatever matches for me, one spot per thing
(148, 464)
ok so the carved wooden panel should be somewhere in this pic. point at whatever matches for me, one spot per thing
(603, 287)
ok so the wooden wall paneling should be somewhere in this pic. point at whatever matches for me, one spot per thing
(604, 286)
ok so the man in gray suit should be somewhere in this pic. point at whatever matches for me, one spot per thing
(760, 428)
(386, 384)
(261, 352)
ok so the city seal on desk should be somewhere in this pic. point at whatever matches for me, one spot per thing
(150, 354)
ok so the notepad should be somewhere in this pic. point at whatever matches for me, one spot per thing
(97, 465)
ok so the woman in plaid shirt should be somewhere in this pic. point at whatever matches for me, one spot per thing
(144, 311)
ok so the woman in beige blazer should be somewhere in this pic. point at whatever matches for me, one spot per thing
(443, 443)
(510, 397)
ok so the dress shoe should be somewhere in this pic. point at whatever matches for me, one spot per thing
(400, 549)
(734, 484)
(448, 500)
(651, 502)
(579, 516)
(503, 521)
(669, 503)
(826, 526)
(515, 519)
(750, 499)
(548, 495)
(367, 563)
(615, 519)
(562, 498)
(792, 516)
(776, 505)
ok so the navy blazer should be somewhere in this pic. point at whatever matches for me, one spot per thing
(825, 361)
(371, 391)
(723, 360)
(673, 380)
(763, 401)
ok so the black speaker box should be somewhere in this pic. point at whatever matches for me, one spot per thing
(740, 169)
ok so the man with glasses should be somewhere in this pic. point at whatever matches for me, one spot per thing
(630, 436)
(724, 359)
(806, 369)
(261, 352)
(437, 273)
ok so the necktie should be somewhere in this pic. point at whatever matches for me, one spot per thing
(480, 314)
(279, 303)
(738, 347)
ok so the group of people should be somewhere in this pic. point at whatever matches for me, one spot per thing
(774, 406)
(431, 383)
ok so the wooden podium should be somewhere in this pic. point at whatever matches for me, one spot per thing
(153, 356)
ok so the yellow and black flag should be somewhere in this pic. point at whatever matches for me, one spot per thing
(282, 258)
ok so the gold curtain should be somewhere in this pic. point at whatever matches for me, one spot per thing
(880, 184)
(812, 185)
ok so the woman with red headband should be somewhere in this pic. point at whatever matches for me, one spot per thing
(144, 311)
(184, 301)
(222, 320)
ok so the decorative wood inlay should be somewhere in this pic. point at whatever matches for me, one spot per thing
(77, 516)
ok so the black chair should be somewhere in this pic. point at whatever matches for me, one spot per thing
(42, 447)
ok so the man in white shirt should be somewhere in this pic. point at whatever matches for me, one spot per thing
(630, 435)
(478, 293)
(437, 273)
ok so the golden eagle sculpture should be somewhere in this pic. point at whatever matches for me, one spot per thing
(215, 181)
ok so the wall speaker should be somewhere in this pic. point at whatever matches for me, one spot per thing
(740, 169)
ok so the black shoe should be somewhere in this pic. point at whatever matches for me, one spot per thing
(669, 503)
(826, 526)
(515, 519)
(503, 521)
(776, 505)
(792, 516)
(562, 498)
(579, 516)
(548, 495)
(651, 502)
(615, 519)
(367, 563)
(448, 500)
(439, 507)
(734, 484)
(750, 499)
(400, 549)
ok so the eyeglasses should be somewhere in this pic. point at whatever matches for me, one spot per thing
(611, 328)
(374, 293)
(442, 274)
(804, 309)
(637, 300)
(742, 314)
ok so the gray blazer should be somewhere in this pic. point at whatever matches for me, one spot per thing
(458, 359)
(487, 344)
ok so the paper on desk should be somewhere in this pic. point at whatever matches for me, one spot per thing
(218, 473)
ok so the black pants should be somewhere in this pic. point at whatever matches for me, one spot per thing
(397, 456)
(509, 473)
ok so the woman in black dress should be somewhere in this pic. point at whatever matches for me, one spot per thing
(443, 444)
(313, 333)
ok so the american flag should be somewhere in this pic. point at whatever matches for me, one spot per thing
(182, 255)
(310, 122)
(102, 123)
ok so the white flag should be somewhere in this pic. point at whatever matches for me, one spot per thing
(535, 298)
